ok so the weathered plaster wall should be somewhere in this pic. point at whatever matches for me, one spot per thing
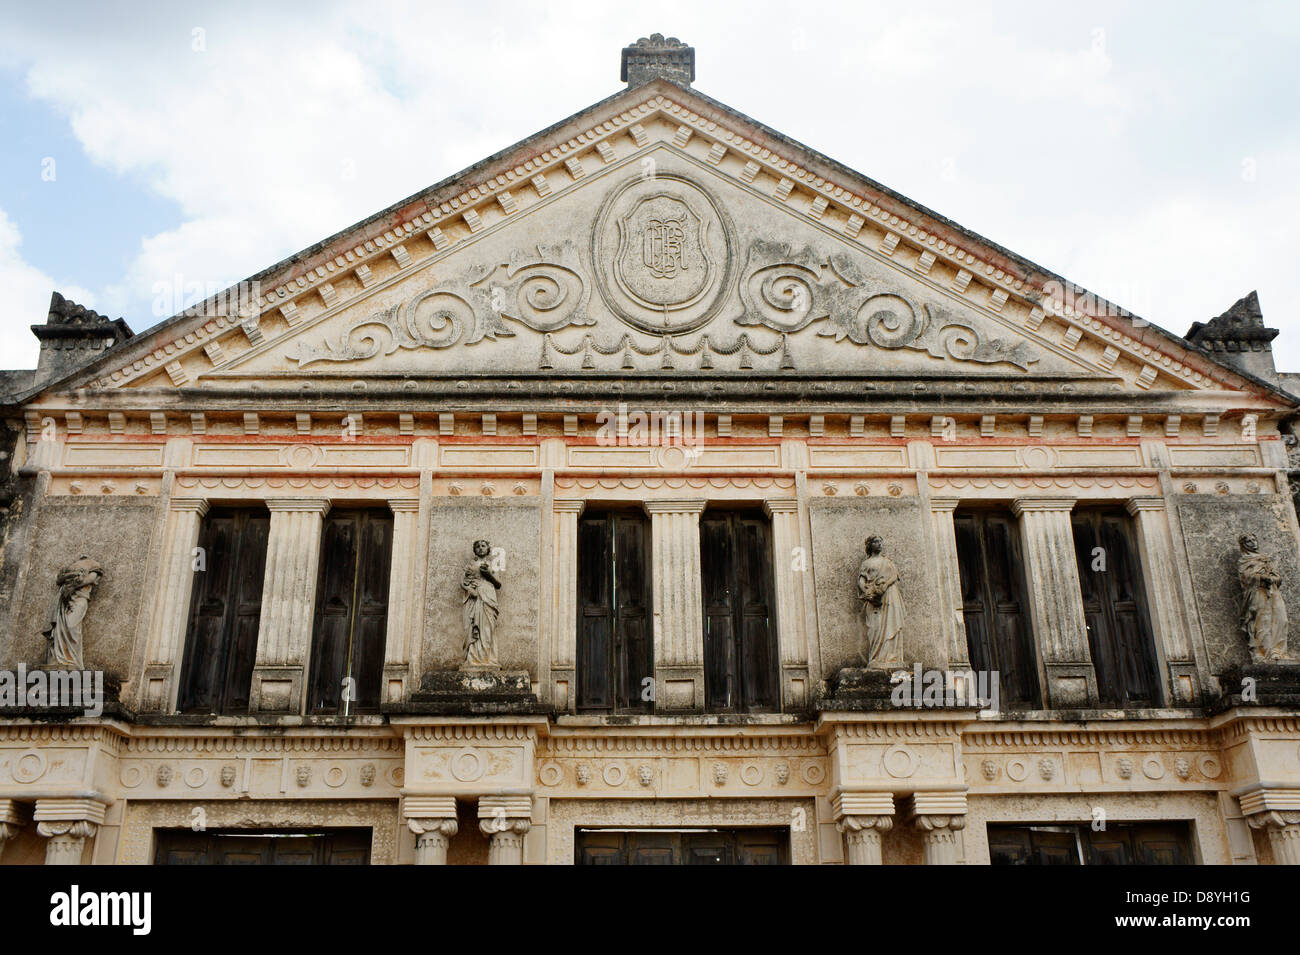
(839, 529)
(1211, 527)
(114, 531)
(515, 526)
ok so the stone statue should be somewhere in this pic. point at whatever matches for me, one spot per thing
(76, 583)
(480, 612)
(882, 607)
(1263, 611)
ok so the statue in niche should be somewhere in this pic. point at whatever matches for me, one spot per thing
(480, 610)
(882, 607)
(1263, 611)
(76, 583)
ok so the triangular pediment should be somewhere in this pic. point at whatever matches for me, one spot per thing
(655, 231)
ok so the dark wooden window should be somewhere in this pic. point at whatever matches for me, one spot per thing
(1114, 604)
(278, 847)
(682, 847)
(351, 610)
(615, 633)
(1118, 844)
(999, 636)
(225, 608)
(741, 666)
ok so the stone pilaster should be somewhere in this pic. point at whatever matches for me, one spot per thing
(947, 574)
(1056, 600)
(505, 820)
(940, 816)
(1161, 579)
(405, 597)
(433, 820)
(1283, 830)
(678, 605)
(790, 564)
(564, 602)
(863, 818)
(67, 823)
(172, 602)
(1277, 812)
(288, 603)
(10, 822)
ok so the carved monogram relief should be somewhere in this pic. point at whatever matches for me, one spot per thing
(662, 249)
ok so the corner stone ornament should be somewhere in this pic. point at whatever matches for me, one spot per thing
(1263, 611)
(480, 609)
(882, 607)
(76, 583)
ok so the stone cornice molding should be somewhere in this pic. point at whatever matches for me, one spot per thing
(683, 506)
(194, 505)
(69, 809)
(564, 506)
(1042, 504)
(299, 505)
(1137, 504)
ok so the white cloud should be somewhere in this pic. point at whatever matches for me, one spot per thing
(25, 300)
(1034, 128)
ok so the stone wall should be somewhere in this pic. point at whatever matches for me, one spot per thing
(117, 533)
(513, 525)
(840, 527)
(1211, 526)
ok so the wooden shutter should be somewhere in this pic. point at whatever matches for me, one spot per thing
(226, 606)
(998, 633)
(595, 614)
(718, 580)
(1119, 629)
(741, 666)
(351, 610)
(633, 633)
(615, 635)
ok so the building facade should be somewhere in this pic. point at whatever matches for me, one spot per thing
(657, 490)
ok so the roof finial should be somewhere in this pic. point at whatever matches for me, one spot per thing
(653, 57)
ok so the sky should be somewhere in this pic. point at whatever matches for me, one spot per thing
(1149, 152)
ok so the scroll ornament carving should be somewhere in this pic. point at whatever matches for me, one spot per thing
(544, 292)
(1263, 611)
(882, 607)
(62, 630)
(788, 291)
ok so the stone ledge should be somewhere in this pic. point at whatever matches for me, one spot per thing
(1276, 684)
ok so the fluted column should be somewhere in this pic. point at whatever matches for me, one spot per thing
(1161, 581)
(180, 561)
(1056, 601)
(288, 603)
(10, 822)
(947, 574)
(790, 563)
(863, 818)
(678, 605)
(67, 823)
(433, 820)
(564, 601)
(404, 597)
(1283, 830)
(940, 816)
(505, 820)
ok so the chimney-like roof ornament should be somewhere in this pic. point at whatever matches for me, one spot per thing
(655, 57)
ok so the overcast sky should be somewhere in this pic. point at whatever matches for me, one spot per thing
(1149, 152)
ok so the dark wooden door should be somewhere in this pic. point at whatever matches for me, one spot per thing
(999, 637)
(1137, 843)
(331, 847)
(615, 634)
(741, 666)
(1114, 605)
(225, 609)
(351, 611)
(683, 847)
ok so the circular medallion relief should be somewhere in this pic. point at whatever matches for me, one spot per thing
(662, 250)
